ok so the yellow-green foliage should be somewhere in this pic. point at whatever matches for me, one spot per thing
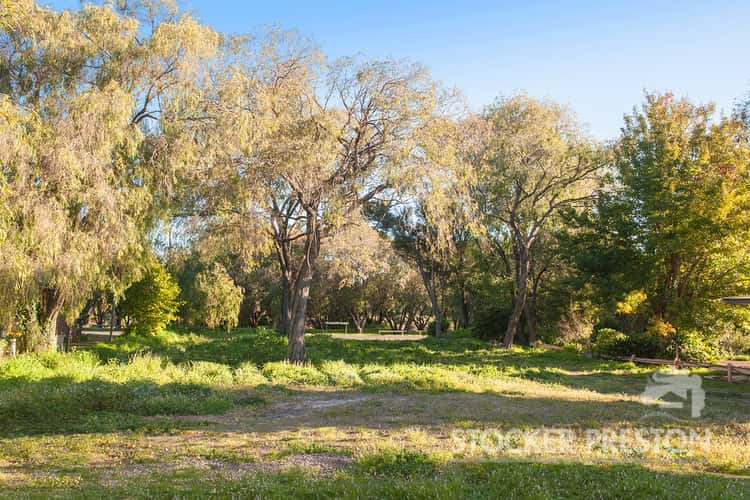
(151, 303)
(249, 374)
(340, 373)
(220, 298)
(282, 372)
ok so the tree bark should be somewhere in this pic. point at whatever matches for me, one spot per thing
(465, 320)
(531, 319)
(437, 312)
(296, 349)
(522, 275)
(300, 296)
(359, 320)
(51, 305)
(285, 314)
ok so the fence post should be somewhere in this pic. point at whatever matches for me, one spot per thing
(729, 372)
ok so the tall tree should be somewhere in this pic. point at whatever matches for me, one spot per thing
(299, 150)
(538, 163)
(91, 96)
(674, 226)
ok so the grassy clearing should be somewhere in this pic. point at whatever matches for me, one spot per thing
(216, 414)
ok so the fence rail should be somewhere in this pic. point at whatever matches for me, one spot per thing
(730, 368)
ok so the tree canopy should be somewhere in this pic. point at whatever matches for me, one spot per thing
(281, 187)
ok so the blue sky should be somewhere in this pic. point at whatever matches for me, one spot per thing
(595, 56)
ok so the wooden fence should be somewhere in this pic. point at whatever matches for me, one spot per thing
(731, 369)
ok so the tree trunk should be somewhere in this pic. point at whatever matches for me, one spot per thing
(464, 307)
(285, 314)
(522, 275)
(51, 305)
(112, 318)
(437, 312)
(432, 292)
(296, 348)
(359, 320)
(531, 319)
(300, 297)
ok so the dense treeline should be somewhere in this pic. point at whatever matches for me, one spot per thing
(215, 180)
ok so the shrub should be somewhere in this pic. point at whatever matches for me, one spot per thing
(610, 342)
(206, 372)
(341, 374)
(151, 303)
(432, 324)
(647, 344)
(734, 343)
(282, 372)
(491, 321)
(695, 347)
(249, 374)
(219, 298)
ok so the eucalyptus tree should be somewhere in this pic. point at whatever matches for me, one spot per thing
(429, 226)
(88, 106)
(298, 148)
(538, 163)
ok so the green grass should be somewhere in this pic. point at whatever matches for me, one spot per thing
(480, 480)
(213, 414)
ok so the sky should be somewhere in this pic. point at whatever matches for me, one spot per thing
(597, 57)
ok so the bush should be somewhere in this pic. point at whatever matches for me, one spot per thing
(151, 303)
(647, 344)
(432, 324)
(219, 298)
(491, 321)
(341, 374)
(282, 372)
(249, 374)
(610, 343)
(734, 343)
(695, 347)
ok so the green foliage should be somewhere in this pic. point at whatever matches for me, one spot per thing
(695, 347)
(432, 326)
(657, 341)
(152, 302)
(341, 373)
(670, 233)
(734, 343)
(45, 391)
(489, 480)
(611, 343)
(282, 372)
(491, 320)
(219, 298)
(249, 374)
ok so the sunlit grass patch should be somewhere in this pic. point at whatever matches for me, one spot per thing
(282, 372)
(374, 418)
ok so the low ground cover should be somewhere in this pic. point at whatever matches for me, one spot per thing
(218, 414)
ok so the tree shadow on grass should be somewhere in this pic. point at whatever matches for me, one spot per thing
(64, 405)
(463, 355)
